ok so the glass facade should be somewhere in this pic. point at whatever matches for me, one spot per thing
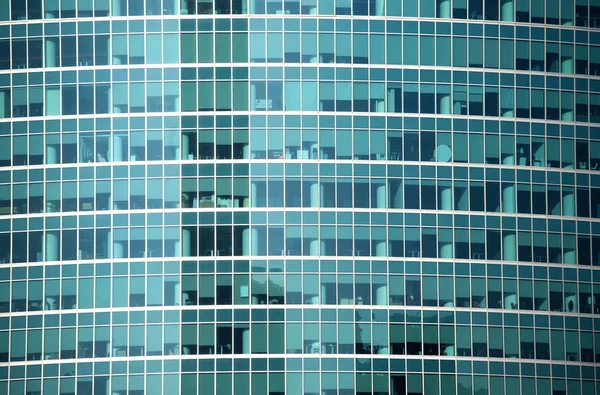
(300, 196)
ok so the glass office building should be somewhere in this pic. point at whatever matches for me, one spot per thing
(299, 196)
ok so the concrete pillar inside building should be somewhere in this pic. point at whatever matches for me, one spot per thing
(568, 203)
(446, 198)
(567, 65)
(446, 250)
(509, 246)
(567, 115)
(381, 295)
(185, 147)
(510, 302)
(50, 304)
(391, 99)
(380, 105)
(316, 195)
(569, 255)
(246, 341)
(383, 351)
(115, 248)
(250, 200)
(245, 151)
(449, 304)
(507, 11)
(3, 104)
(117, 149)
(116, 8)
(315, 245)
(508, 113)
(250, 242)
(396, 196)
(508, 160)
(177, 294)
(252, 94)
(381, 195)
(186, 243)
(571, 304)
(320, 299)
(312, 10)
(445, 101)
(51, 246)
(50, 54)
(51, 155)
(380, 7)
(508, 198)
(445, 10)
(457, 107)
(381, 248)
(316, 59)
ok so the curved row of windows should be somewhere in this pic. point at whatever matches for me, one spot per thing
(349, 289)
(300, 338)
(297, 240)
(294, 47)
(294, 95)
(581, 13)
(325, 144)
(393, 192)
(303, 377)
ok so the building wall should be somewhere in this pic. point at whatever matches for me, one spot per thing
(299, 197)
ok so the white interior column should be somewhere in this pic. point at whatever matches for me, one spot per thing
(51, 155)
(51, 246)
(446, 198)
(315, 244)
(115, 248)
(185, 147)
(506, 11)
(316, 59)
(446, 250)
(508, 198)
(567, 65)
(252, 90)
(510, 302)
(381, 295)
(381, 196)
(184, 247)
(250, 242)
(569, 255)
(3, 104)
(445, 101)
(380, 7)
(509, 246)
(316, 195)
(391, 99)
(245, 151)
(381, 248)
(116, 8)
(567, 115)
(117, 149)
(50, 53)
(445, 10)
(250, 200)
(380, 105)
(246, 341)
(177, 294)
(568, 201)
